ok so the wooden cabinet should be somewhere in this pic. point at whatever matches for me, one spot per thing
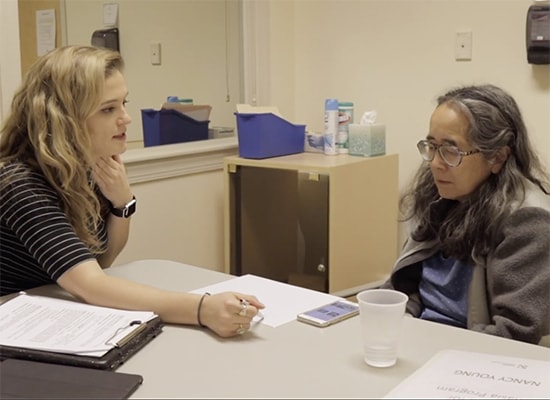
(327, 223)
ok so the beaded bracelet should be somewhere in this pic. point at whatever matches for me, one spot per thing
(199, 310)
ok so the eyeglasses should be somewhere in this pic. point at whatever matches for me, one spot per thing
(452, 155)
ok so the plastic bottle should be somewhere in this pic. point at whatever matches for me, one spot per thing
(345, 117)
(331, 126)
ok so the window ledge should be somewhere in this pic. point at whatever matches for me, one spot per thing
(169, 161)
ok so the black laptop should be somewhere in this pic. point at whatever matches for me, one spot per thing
(23, 379)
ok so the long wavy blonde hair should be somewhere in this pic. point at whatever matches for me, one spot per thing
(46, 128)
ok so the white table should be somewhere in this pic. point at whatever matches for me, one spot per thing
(291, 361)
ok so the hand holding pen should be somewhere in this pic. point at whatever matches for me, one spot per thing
(229, 313)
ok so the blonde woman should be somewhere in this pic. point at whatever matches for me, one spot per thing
(65, 200)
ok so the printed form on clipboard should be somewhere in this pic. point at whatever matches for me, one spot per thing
(64, 326)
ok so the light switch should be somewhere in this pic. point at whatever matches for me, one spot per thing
(155, 53)
(463, 46)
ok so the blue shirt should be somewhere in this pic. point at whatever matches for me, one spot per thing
(444, 290)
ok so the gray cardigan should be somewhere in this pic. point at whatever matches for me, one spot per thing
(509, 294)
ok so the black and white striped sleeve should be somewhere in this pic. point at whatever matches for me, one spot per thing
(32, 212)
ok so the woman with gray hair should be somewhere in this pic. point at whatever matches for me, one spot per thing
(478, 251)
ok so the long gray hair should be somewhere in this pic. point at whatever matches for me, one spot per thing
(466, 230)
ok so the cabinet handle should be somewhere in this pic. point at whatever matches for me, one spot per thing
(321, 268)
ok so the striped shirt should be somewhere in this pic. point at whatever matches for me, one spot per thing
(37, 242)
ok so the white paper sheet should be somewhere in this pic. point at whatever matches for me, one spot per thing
(45, 31)
(283, 302)
(64, 326)
(467, 375)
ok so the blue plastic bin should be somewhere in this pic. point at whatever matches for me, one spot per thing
(267, 135)
(170, 126)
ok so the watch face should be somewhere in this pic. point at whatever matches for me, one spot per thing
(130, 208)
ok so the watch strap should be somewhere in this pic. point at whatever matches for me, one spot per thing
(126, 211)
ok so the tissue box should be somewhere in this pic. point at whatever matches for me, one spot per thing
(367, 140)
(218, 132)
(265, 135)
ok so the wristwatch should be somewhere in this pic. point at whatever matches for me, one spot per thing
(127, 210)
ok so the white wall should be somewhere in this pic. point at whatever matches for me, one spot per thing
(395, 57)
(179, 219)
(180, 191)
(10, 57)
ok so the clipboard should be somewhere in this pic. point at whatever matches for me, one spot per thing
(109, 361)
(22, 379)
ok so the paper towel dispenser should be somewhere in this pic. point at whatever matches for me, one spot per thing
(538, 34)
(106, 38)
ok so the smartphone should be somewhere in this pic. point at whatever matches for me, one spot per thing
(330, 313)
